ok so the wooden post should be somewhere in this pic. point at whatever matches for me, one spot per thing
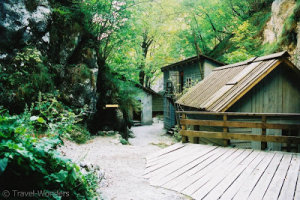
(288, 145)
(225, 131)
(184, 138)
(263, 132)
(195, 140)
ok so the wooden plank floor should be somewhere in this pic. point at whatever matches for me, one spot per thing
(210, 172)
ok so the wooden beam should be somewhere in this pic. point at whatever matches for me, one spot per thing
(225, 130)
(111, 105)
(241, 136)
(263, 132)
(184, 138)
(195, 140)
(240, 114)
(237, 124)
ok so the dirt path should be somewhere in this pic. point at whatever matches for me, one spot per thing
(124, 165)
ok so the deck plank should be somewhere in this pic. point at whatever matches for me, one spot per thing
(166, 170)
(263, 184)
(164, 151)
(289, 186)
(221, 173)
(202, 165)
(208, 172)
(219, 190)
(191, 189)
(193, 175)
(297, 192)
(167, 173)
(179, 154)
(247, 187)
(187, 168)
(278, 179)
(167, 156)
(234, 187)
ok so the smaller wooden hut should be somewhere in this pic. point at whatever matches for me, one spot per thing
(262, 86)
(150, 104)
(180, 75)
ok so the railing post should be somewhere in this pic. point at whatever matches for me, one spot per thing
(184, 138)
(263, 132)
(288, 145)
(225, 131)
(195, 140)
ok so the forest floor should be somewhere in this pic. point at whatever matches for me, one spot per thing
(123, 165)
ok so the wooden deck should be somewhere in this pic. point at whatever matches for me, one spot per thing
(210, 172)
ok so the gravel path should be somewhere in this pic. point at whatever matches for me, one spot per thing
(123, 165)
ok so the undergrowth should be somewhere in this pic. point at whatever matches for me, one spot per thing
(28, 156)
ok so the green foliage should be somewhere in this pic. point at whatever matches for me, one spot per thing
(107, 133)
(78, 134)
(123, 141)
(30, 163)
(49, 116)
(23, 78)
(177, 135)
(245, 43)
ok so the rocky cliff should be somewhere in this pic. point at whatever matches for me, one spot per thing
(44, 39)
(283, 28)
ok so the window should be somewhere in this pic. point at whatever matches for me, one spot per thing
(188, 82)
(169, 88)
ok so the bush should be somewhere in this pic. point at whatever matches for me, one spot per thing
(31, 163)
(23, 77)
(177, 135)
(123, 141)
(50, 117)
(79, 134)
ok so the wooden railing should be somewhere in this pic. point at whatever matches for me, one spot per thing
(226, 121)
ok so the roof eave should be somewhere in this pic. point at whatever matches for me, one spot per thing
(188, 60)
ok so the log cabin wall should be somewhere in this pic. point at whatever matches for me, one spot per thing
(279, 92)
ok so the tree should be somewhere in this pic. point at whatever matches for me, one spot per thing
(105, 20)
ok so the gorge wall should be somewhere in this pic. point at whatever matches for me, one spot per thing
(283, 28)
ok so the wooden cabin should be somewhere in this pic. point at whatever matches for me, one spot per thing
(263, 87)
(150, 105)
(180, 75)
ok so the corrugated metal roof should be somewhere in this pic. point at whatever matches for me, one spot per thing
(225, 85)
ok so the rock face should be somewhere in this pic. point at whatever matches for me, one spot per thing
(22, 22)
(281, 11)
(34, 23)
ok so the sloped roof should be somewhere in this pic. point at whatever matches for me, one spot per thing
(190, 60)
(227, 84)
(147, 89)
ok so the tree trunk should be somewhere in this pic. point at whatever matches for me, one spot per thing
(102, 117)
(147, 41)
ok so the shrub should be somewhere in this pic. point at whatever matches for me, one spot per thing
(177, 135)
(79, 134)
(23, 77)
(50, 117)
(31, 163)
(123, 141)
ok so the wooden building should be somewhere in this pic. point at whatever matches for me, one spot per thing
(180, 75)
(157, 104)
(268, 84)
(150, 105)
